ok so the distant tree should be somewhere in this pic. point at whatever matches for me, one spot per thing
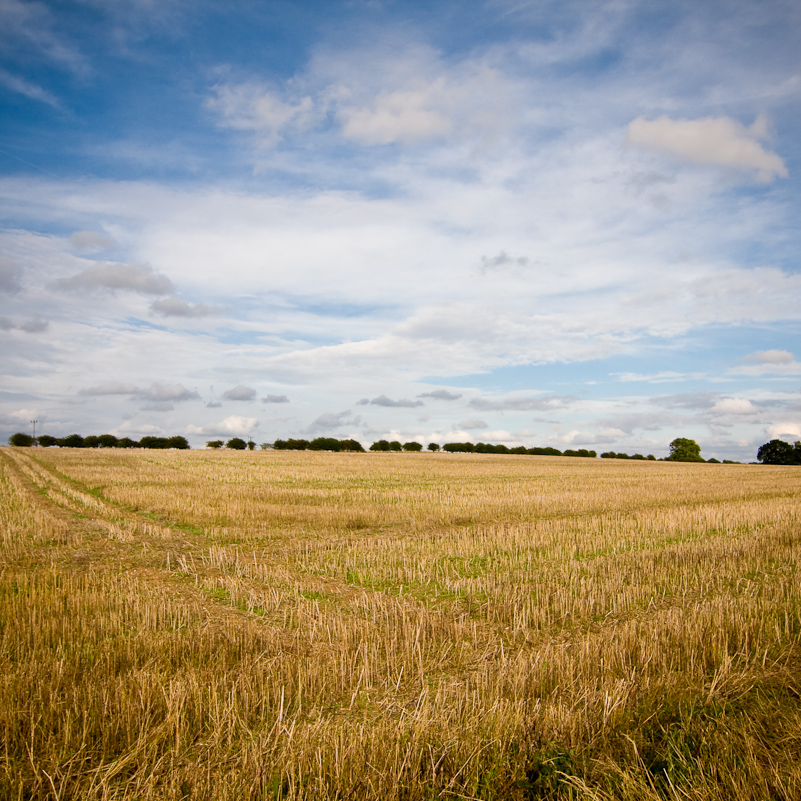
(777, 451)
(395, 445)
(684, 450)
(215, 444)
(544, 452)
(412, 446)
(107, 441)
(713, 461)
(266, 446)
(433, 447)
(291, 444)
(650, 457)
(236, 444)
(20, 440)
(251, 444)
(521, 450)
(127, 442)
(91, 441)
(155, 443)
(178, 442)
(351, 445)
(46, 441)
(459, 447)
(72, 441)
(381, 445)
(324, 444)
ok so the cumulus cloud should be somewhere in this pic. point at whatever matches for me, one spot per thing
(175, 307)
(734, 406)
(10, 274)
(719, 141)
(472, 424)
(111, 388)
(768, 362)
(441, 394)
(112, 275)
(539, 404)
(91, 241)
(770, 357)
(234, 426)
(275, 399)
(331, 420)
(240, 393)
(168, 392)
(383, 400)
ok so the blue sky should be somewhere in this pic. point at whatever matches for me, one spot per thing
(550, 223)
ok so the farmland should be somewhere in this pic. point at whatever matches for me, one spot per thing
(257, 625)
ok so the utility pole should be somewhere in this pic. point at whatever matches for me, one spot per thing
(34, 430)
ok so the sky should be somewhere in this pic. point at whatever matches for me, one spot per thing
(570, 223)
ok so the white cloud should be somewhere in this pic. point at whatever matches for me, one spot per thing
(234, 426)
(734, 406)
(383, 400)
(275, 399)
(441, 394)
(664, 377)
(91, 241)
(240, 393)
(24, 87)
(110, 275)
(523, 404)
(168, 392)
(785, 430)
(720, 141)
(405, 116)
(770, 357)
(255, 109)
(767, 363)
(175, 307)
(472, 424)
(111, 388)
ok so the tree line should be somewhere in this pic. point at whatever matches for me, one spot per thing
(21, 440)
(682, 449)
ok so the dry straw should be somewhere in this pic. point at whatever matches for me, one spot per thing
(197, 625)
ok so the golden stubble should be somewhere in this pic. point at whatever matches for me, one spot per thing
(312, 625)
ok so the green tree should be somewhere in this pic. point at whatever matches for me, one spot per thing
(215, 444)
(107, 441)
(72, 441)
(777, 451)
(395, 445)
(46, 441)
(236, 444)
(251, 444)
(381, 445)
(127, 442)
(178, 442)
(684, 450)
(412, 446)
(20, 440)
(433, 447)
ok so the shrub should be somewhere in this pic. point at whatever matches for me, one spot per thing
(20, 440)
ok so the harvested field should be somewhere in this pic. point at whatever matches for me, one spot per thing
(287, 625)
